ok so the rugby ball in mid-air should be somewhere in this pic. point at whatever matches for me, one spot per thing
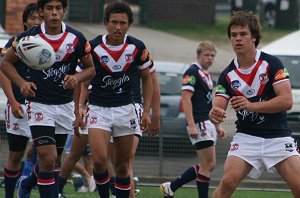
(35, 52)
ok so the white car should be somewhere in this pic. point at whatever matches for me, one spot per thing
(287, 49)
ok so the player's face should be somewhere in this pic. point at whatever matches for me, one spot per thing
(53, 13)
(241, 40)
(206, 58)
(117, 27)
(33, 19)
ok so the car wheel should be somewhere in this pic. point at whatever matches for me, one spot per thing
(269, 16)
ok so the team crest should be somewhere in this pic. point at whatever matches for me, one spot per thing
(104, 59)
(128, 58)
(93, 120)
(263, 78)
(289, 147)
(133, 124)
(16, 126)
(70, 48)
(235, 84)
(234, 147)
(39, 117)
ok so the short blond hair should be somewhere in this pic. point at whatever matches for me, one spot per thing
(206, 45)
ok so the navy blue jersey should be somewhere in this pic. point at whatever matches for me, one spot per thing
(256, 84)
(198, 81)
(69, 46)
(117, 71)
(22, 69)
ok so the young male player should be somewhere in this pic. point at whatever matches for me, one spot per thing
(49, 93)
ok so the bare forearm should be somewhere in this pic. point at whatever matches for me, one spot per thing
(7, 88)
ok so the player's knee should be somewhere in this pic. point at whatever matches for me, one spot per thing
(122, 169)
(15, 158)
(230, 183)
(100, 165)
(48, 162)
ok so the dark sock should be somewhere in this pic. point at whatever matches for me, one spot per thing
(61, 184)
(56, 175)
(102, 182)
(31, 180)
(202, 185)
(10, 180)
(123, 186)
(112, 185)
(46, 184)
(187, 176)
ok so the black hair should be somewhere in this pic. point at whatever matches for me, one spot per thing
(42, 3)
(118, 7)
(29, 9)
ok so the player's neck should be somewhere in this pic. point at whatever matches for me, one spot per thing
(113, 42)
(53, 30)
(246, 60)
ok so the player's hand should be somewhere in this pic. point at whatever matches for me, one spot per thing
(78, 123)
(217, 115)
(17, 110)
(155, 126)
(240, 103)
(192, 131)
(70, 81)
(28, 89)
(221, 132)
(146, 122)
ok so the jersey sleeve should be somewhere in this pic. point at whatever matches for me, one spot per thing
(7, 45)
(189, 80)
(278, 73)
(223, 87)
(143, 60)
(84, 47)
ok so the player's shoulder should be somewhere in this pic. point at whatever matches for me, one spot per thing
(31, 32)
(96, 41)
(74, 31)
(133, 40)
(270, 59)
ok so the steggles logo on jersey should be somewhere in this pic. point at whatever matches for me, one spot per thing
(70, 48)
(115, 83)
(57, 74)
(263, 78)
(39, 117)
(128, 58)
(235, 84)
(104, 59)
(209, 98)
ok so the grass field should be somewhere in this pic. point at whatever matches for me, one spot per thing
(216, 32)
(153, 192)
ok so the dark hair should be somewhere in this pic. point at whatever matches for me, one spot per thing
(42, 3)
(118, 7)
(29, 9)
(242, 18)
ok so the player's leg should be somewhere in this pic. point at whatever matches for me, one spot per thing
(122, 152)
(235, 170)
(88, 166)
(207, 159)
(98, 141)
(76, 150)
(12, 169)
(110, 168)
(131, 163)
(289, 170)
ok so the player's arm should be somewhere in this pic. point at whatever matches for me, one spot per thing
(78, 118)
(188, 112)
(147, 88)
(7, 67)
(217, 113)
(17, 109)
(155, 105)
(281, 102)
(71, 81)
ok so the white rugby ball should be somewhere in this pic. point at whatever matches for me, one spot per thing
(35, 52)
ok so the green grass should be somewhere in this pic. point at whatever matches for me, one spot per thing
(153, 192)
(216, 33)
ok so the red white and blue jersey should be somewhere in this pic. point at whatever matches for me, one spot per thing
(117, 71)
(69, 46)
(256, 84)
(198, 81)
(22, 70)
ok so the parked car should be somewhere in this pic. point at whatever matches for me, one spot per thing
(287, 49)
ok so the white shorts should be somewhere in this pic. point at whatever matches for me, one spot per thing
(15, 125)
(121, 121)
(59, 116)
(206, 131)
(263, 154)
